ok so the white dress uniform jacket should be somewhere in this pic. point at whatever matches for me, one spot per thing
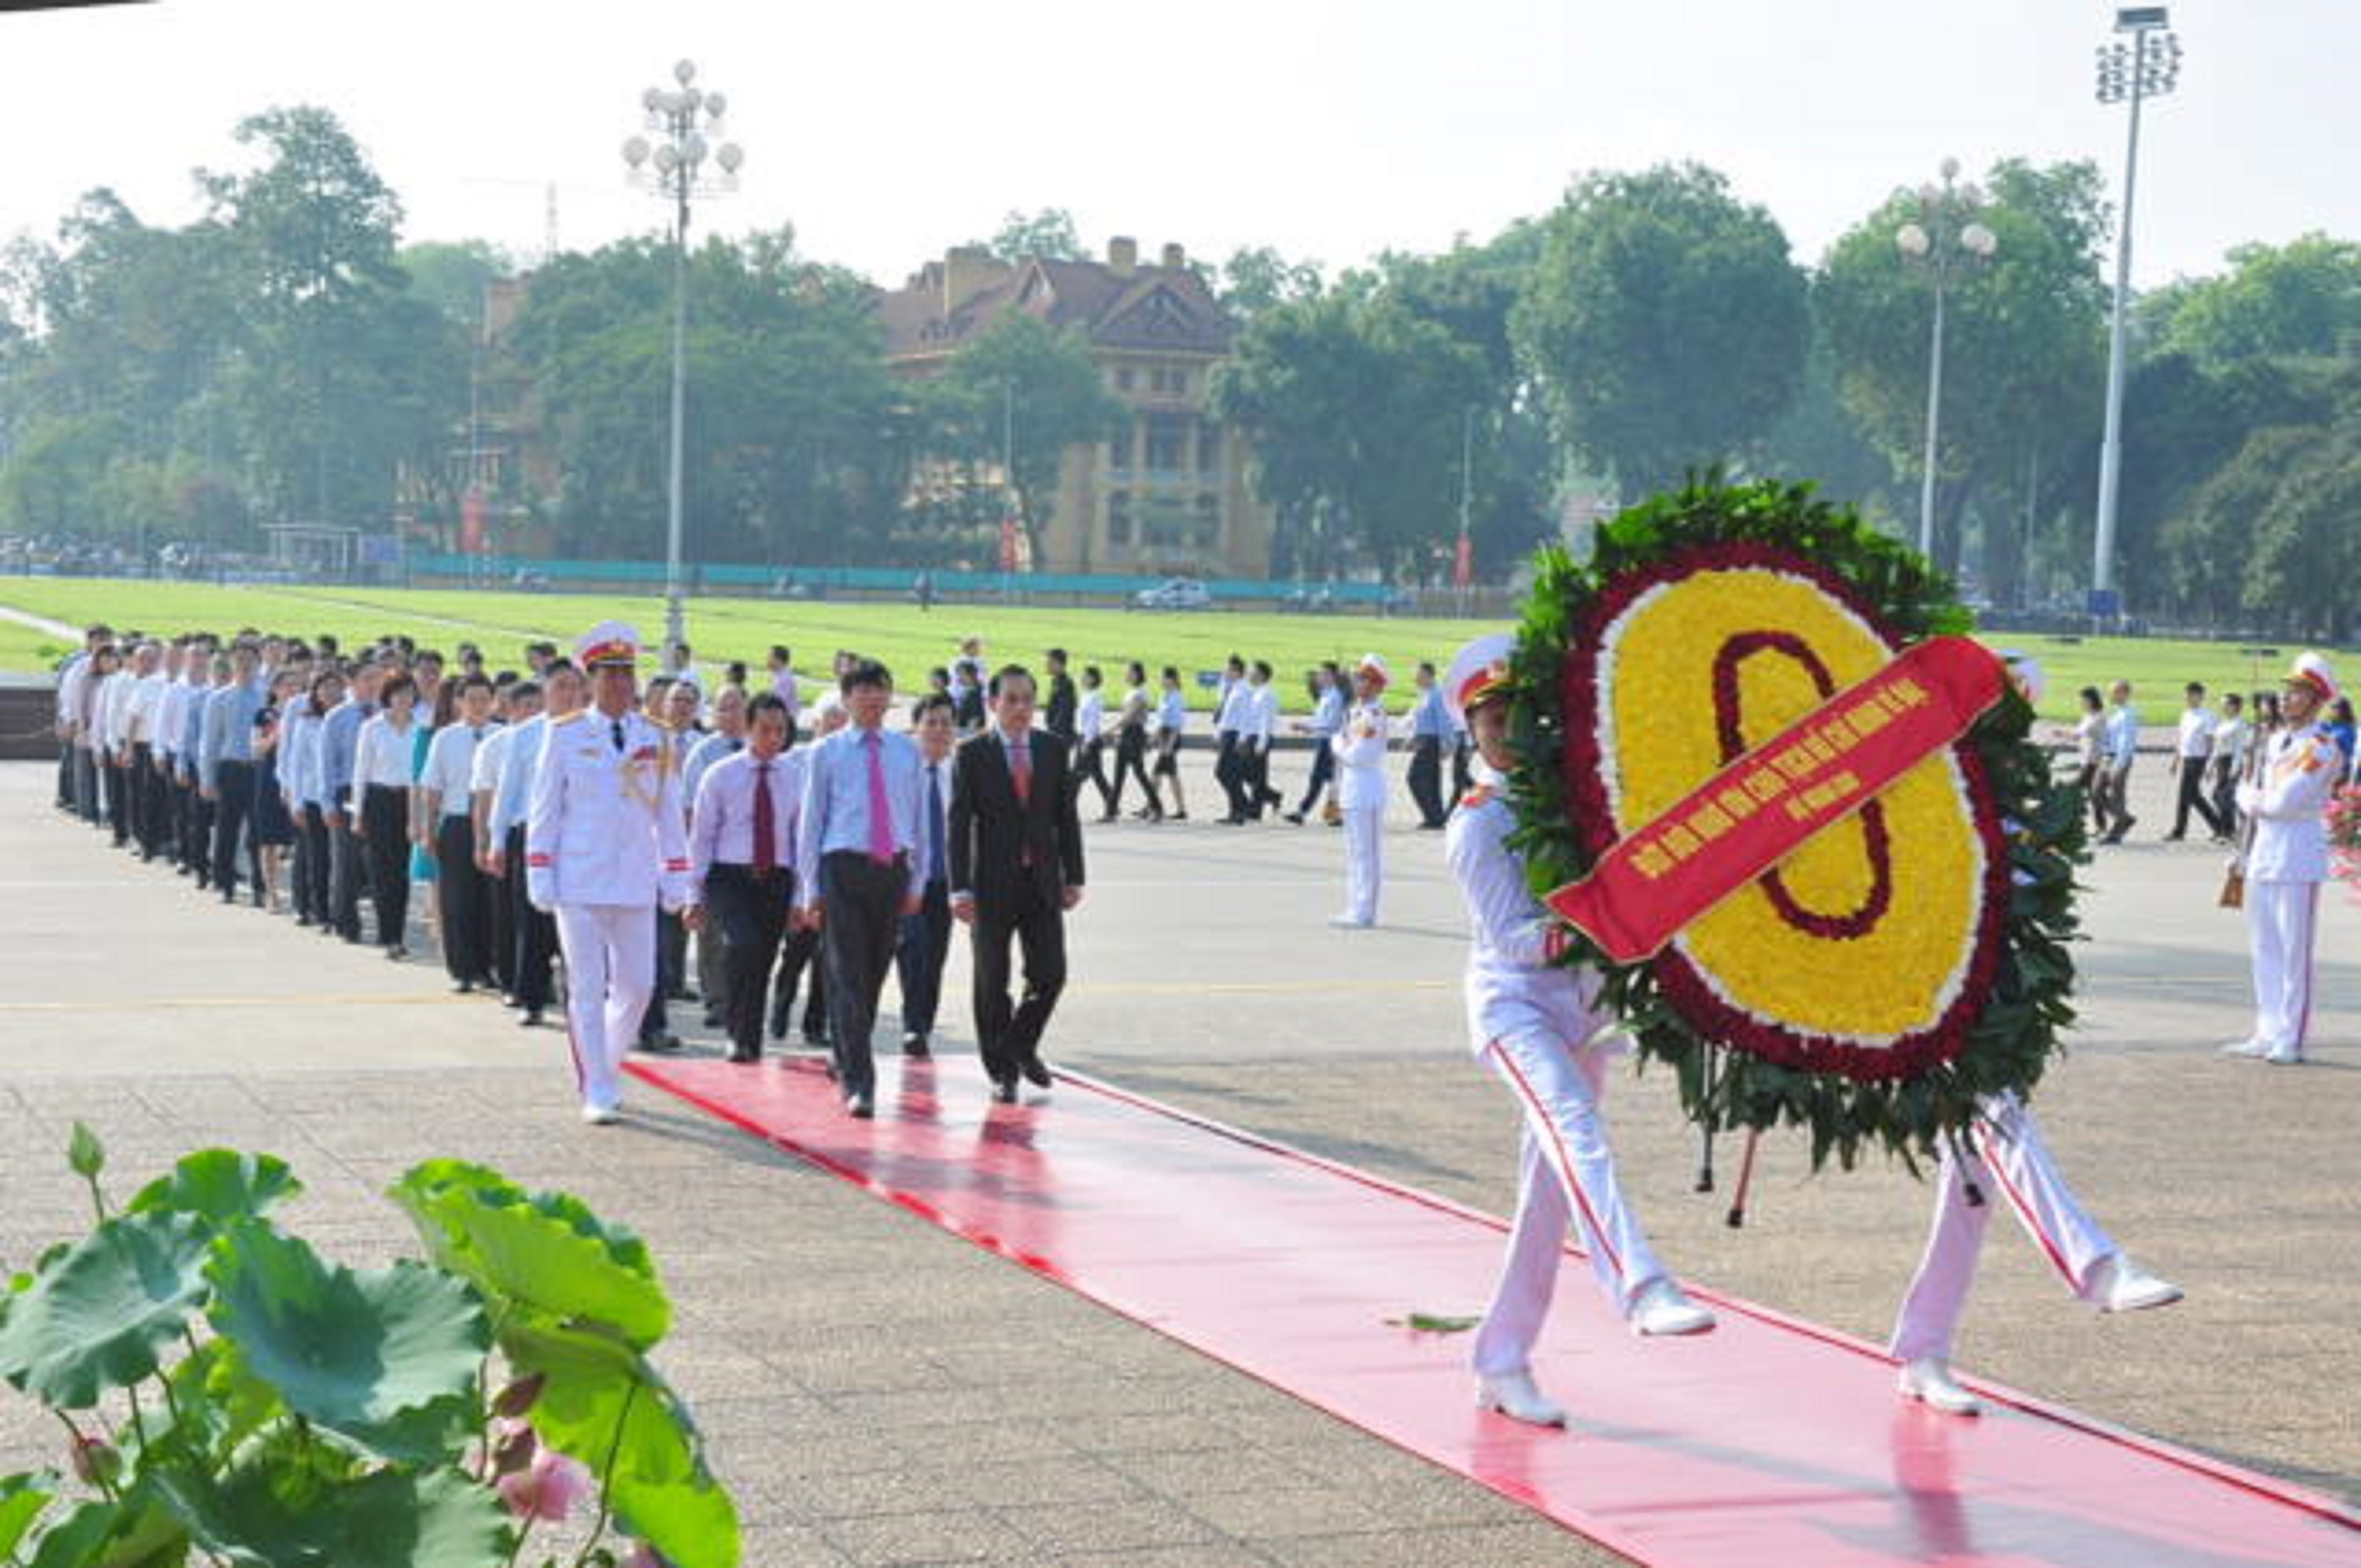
(1358, 744)
(605, 824)
(2289, 805)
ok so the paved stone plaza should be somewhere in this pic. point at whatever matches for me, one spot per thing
(876, 1391)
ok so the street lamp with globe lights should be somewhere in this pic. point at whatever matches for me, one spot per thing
(1946, 239)
(681, 162)
(2145, 64)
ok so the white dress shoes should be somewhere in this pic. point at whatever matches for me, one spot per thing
(2284, 1055)
(1515, 1396)
(2119, 1284)
(2245, 1048)
(1663, 1308)
(601, 1115)
(1929, 1380)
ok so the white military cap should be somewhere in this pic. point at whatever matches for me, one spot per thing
(1480, 671)
(608, 642)
(2312, 670)
(1372, 666)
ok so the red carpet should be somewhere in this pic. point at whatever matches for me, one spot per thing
(1769, 1442)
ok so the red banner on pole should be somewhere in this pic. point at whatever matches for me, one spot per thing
(1762, 808)
(1463, 564)
(471, 522)
(1008, 533)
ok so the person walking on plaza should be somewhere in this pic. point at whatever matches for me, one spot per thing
(801, 965)
(535, 930)
(381, 771)
(1326, 685)
(926, 936)
(857, 840)
(2091, 755)
(2122, 741)
(446, 804)
(727, 738)
(1057, 714)
(1015, 869)
(517, 706)
(1429, 732)
(2234, 742)
(1172, 726)
(605, 844)
(1536, 1025)
(1358, 747)
(1090, 735)
(2003, 1157)
(2286, 860)
(1131, 746)
(225, 759)
(1230, 703)
(2192, 750)
(343, 796)
(742, 850)
(1257, 729)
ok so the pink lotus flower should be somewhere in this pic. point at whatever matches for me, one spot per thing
(550, 1487)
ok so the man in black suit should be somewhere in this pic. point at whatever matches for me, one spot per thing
(1058, 717)
(1016, 868)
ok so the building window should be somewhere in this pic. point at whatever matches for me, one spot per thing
(1209, 449)
(1168, 441)
(1205, 531)
(1119, 518)
(1123, 379)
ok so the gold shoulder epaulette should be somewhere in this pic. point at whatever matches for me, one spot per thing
(1480, 795)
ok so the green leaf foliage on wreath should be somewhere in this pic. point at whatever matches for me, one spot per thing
(2030, 1008)
(95, 1317)
(387, 1358)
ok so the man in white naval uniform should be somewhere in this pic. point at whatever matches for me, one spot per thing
(2003, 1157)
(2287, 860)
(1358, 744)
(1537, 1025)
(605, 842)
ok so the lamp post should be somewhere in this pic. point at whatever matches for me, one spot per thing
(2144, 64)
(674, 166)
(1946, 240)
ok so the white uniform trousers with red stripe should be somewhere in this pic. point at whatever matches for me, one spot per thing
(1365, 843)
(2281, 916)
(610, 970)
(1567, 1177)
(2010, 1165)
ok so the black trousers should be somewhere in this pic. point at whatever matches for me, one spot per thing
(347, 872)
(146, 801)
(1131, 761)
(1090, 767)
(2192, 797)
(751, 912)
(463, 894)
(799, 953)
(1226, 774)
(118, 802)
(1009, 1034)
(314, 872)
(1426, 779)
(535, 933)
(1463, 753)
(919, 960)
(233, 805)
(1323, 768)
(861, 901)
(2225, 799)
(385, 813)
(499, 928)
(1254, 764)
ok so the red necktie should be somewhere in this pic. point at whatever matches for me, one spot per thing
(881, 810)
(766, 827)
(1020, 768)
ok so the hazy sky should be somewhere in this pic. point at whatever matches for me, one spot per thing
(888, 129)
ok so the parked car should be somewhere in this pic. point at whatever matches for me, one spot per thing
(1173, 593)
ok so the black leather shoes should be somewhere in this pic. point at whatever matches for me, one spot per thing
(860, 1107)
(1005, 1090)
(914, 1046)
(1036, 1071)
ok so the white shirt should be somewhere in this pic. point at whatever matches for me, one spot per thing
(721, 826)
(491, 756)
(784, 683)
(381, 753)
(113, 706)
(2123, 735)
(72, 680)
(604, 824)
(450, 770)
(1512, 987)
(1172, 713)
(1359, 747)
(142, 707)
(1231, 715)
(2232, 740)
(1259, 721)
(1090, 715)
(2300, 770)
(2196, 733)
(172, 716)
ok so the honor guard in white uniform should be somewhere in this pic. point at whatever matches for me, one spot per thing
(605, 843)
(1538, 1027)
(2005, 1157)
(1359, 747)
(2286, 859)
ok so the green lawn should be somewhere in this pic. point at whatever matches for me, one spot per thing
(911, 641)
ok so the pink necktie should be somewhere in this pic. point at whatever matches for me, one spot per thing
(1020, 768)
(881, 810)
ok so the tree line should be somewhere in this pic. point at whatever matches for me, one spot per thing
(285, 357)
